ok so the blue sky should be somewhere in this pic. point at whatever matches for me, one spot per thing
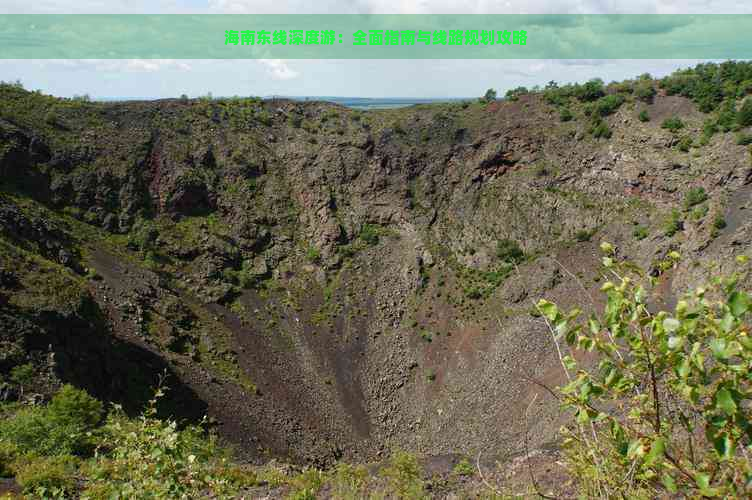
(365, 78)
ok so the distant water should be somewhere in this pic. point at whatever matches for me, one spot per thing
(351, 102)
(378, 102)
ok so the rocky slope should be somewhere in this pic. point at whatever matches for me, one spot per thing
(329, 283)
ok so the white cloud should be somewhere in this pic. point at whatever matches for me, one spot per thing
(114, 65)
(278, 69)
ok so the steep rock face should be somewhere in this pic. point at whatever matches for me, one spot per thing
(326, 282)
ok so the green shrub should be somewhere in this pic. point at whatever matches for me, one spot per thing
(151, 458)
(61, 428)
(313, 254)
(370, 234)
(307, 484)
(509, 251)
(405, 476)
(644, 90)
(599, 129)
(673, 124)
(349, 481)
(643, 116)
(489, 96)
(684, 144)
(584, 235)
(640, 233)
(695, 196)
(699, 212)
(264, 118)
(727, 116)
(8, 454)
(673, 224)
(514, 94)
(565, 115)
(32, 430)
(608, 104)
(71, 406)
(744, 116)
(666, 401)
(590, 91)
(47, 477)
(719, 222)
(464, 468)
(22, 375)
(743, 139)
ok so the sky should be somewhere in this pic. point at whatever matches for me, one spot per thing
(147, 78)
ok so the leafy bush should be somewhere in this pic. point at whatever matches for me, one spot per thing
(514, 94)
(643, 116)
(743, 139)
(727, 119)
(695, 196)
(719, 222)
(684, 143)
(565, 115)
(640, 233)
(71, 406)
(370, 234)
(47, 477)
(509, 251)
(405, 476)
(744, 116)
(22, 375)
(590, 91)
(349, 482)
(673, 124)
(599, 129)
(464, 468)
(644, 90)
(489, 96)
(608, 104)
(150, 458)
(673, 224)
(8, 454)
(665, 411)
(32, 430)
(708, 84)
(584, 235)
(313, 254)
(699, 212)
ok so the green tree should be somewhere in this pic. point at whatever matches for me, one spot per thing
(744, 116)
(490, 95)
(673, 124)
(509, 251)
(22, 375)
(664, 410)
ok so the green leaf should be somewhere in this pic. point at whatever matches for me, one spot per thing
(636, 449)
(549, 310)
(657, 449)
(569, 362)
(724, 401)
(702, 480)
(607, 248)
(595, 326)
(720, 349)
(675, 343)
(724, 446)
(683, 368)
(671, 324)
(728, 322)
(738, 303)
(669, 483)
